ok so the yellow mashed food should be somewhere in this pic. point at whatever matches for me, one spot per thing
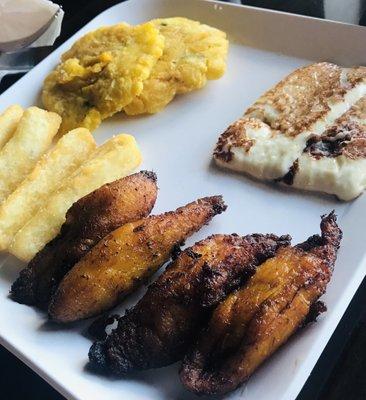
(102, 72)
(193, 53)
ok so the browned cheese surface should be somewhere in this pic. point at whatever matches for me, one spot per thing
(304, 97)
(297, 102)
(346, 137)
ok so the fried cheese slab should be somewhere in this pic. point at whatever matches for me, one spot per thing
(253, 322)
(164, 324)
(87, 222)
(121, 261)
(31, 139)
(101, 73)
(9, 120)
(335, 162)
(193, 53)
(32, 194)
(275, 139)
(115, 159)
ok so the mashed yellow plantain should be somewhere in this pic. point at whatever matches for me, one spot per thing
(101, 73)
(193, 53)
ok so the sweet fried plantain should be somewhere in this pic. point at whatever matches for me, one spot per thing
(125, 258)
(87, 222)
(247, 327)
(161, 327)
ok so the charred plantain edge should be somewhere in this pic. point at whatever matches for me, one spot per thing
(315, 310)
(97, 357)
(218, 204)
(150, 175)
(22, 290)
(97, 329)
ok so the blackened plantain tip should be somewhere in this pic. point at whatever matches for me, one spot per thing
(285, 240)
(150, 175)
(218, 204)
(97, 356)
(331, 217)
(97, 329)
(330, 229)
(22, 290)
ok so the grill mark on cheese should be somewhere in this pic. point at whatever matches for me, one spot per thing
(318, 111)
(335, 162)
(306, 96)
(349, 132)
(347, 136)
(288, 179)
(235, 136)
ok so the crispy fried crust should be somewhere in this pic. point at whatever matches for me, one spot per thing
(87, 222)
(125, 258)
(9, 120)
(160, 328)
(31, 139)
(33, 193)
(254, 321)
(114, 159)
(101, 73)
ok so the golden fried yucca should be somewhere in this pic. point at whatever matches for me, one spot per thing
(31, 139)
(9, 120)
(115, 159)
(50, 171)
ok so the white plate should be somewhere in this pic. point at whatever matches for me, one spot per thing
(177, 144)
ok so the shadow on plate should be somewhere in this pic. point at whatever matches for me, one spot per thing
(165, 380)
(51, 326)
(10, 267)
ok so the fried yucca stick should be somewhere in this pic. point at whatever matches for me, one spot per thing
(32, 137)
(9, 120)
(32, 194)
(115, 159)
(125, 258)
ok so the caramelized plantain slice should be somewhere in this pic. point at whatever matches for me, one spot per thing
(125, 258)
(250, 325)
(87, 221)
(161, 327)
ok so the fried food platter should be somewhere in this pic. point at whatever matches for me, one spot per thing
(177, 144)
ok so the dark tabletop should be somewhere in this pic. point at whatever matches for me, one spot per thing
(340, 372)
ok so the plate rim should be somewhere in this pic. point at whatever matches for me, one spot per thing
(309, 362)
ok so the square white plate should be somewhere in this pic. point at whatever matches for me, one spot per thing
(177, 144)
